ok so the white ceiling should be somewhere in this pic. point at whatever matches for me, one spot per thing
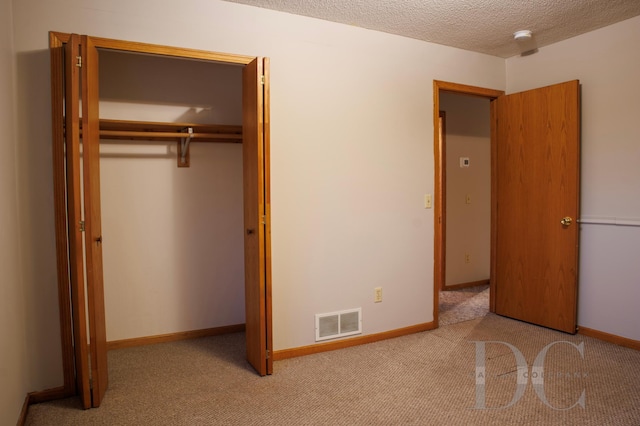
(484, 26)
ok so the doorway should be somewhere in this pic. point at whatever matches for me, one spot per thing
(77, 130)
(535, 196)
(173, 235)
(466, 151)
(465, 141)
(462, 151)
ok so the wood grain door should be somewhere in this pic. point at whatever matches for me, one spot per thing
(255, 134)
(537, 164)
(83, 214)
(75, 217)
(93, 223)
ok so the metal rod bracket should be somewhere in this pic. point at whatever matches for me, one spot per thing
(183, 148)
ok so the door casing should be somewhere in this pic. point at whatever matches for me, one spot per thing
(439, 213)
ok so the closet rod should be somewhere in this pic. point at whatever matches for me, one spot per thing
(166, 135)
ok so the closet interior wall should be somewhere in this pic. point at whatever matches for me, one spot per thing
(173, 236)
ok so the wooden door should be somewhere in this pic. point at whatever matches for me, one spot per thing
(255, 134)
(75, 218)
(83, 213)
(537, 164)
(93, 226)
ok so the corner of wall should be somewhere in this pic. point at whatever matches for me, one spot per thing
(14, 374)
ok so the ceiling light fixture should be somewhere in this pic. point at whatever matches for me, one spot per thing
(522, 35)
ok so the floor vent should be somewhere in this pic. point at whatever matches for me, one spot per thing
(338, 324)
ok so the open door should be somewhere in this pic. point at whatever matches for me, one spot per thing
(75, 218)
(82, 141)
(536, 205)
(93, 226)
(255, 133)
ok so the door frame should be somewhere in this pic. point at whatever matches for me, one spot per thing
(441, 200)
(57, 41)
(439, 189)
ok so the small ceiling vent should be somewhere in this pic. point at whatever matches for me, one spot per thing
(338, 324)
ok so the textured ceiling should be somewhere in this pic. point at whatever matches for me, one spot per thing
(484, 26)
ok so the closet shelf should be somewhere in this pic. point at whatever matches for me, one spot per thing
(158, 131)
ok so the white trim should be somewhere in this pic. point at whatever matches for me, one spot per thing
(615, 221)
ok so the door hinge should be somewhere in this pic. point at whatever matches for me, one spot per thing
(262, 79)
(268, 354)
(264, 219)
(79, 61)
(91, 383)
(81, 223)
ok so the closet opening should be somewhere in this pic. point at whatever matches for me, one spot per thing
(173, 246)
(161, 175)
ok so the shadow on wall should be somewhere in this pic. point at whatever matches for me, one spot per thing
(36, 210)
(163, 84)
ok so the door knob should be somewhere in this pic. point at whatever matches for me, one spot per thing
(566, 221)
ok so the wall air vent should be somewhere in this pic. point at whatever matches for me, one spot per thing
(338, 324)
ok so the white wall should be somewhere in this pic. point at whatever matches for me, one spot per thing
(173, 237)
(607, 63)
(14, 358)
(351, 153)
(468, 134)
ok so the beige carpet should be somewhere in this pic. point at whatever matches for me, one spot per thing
(463, 305)
(422, 379)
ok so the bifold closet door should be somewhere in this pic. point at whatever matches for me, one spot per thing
(83, 213)
(79, 238)
(255, 134)
(93, 222)
(75, 218)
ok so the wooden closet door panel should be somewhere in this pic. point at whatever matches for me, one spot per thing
(93, 235)
(75, 218)
(267, 202)
(253, 155)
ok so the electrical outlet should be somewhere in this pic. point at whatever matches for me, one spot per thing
(377, 295)
(467, 258)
